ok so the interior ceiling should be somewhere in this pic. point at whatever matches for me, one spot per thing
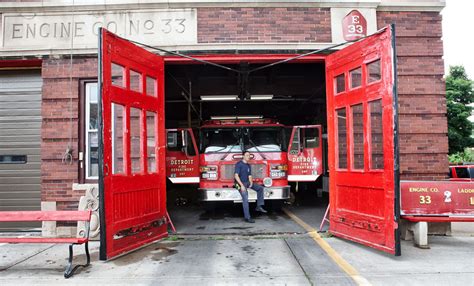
(298, 92)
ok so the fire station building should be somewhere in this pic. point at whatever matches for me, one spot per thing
(49, 133)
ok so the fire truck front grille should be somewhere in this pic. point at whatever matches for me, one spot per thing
(259, 171)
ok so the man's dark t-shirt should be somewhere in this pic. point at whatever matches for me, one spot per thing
(244, 171)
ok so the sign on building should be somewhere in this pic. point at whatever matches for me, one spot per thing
(354, 26)
(55, 31)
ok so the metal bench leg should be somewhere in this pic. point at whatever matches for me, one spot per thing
(70, 269)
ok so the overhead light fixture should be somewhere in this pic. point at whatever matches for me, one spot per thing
(261, 96)
(236, 117)
(218, 97)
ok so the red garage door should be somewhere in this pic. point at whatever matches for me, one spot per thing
(362, 137)
(132, 178)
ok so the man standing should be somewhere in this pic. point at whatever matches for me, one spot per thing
(244, 181)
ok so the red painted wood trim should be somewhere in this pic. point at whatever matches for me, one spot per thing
(251, 58)
(42, 240)
(438, 219)
(45, 216)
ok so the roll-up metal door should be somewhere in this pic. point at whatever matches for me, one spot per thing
(20, 143)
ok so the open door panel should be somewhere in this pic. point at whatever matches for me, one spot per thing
(363, 142)
(132, 149)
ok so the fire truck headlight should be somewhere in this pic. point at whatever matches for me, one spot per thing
(278, 171)
(208, 172)
(282, 167)
(267, 182)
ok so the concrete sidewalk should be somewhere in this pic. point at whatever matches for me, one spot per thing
(237, 260)
(226, 251)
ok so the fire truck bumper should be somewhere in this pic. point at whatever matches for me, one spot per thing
(231, 194)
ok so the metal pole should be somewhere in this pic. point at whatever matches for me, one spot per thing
(189, 106)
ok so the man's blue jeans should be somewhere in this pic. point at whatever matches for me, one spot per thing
(245, 198)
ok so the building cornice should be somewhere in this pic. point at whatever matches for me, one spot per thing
(113, 5)
(432, 6)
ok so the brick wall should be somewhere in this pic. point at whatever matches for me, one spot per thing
(60, 115)
(423, 124)
(258, 25)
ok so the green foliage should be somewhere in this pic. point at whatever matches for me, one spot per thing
(459, 93)
(461, 157)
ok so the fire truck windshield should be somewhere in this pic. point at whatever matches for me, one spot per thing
(234, 140)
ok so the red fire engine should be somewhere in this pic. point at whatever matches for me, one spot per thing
(279, 154)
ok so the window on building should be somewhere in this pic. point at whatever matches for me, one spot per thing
(89, 135)
(13, 159)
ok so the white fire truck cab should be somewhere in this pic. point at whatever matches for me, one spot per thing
(279, 154)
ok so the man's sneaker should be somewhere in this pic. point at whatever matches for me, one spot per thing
(250, 220)
(260, 209)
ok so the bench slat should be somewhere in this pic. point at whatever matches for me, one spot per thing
(438, 218)
(42, 240)
(45, 216)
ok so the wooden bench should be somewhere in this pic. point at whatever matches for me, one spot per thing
(17, 216)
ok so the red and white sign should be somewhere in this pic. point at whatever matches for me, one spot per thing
(437, 198)
(354, 26)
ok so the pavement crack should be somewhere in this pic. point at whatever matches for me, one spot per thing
(301, 266)
(23, 260)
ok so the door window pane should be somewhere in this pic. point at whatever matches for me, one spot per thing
(358, 136)
(135, 81)
(342, 138)
(135, 140)
(92, 116)
(91, 132)
(311, 137)
(93, 155)
(174, 141)
(151, 141)
(189, 144)
(13, 159)
(376, 132)
(151, 86)
(340, 83)
(374, 71)
(295, 144)
(117, 138)
(356, 77)
(117, 75)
